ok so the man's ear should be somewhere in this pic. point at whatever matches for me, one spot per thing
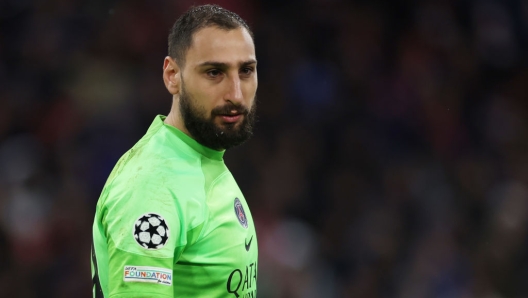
(171, 75)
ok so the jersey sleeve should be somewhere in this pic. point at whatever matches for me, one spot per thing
(145, 237)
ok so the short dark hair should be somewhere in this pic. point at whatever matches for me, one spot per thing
(196, 18)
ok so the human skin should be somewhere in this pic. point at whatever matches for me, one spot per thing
(220, 67)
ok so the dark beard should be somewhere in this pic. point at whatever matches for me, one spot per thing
(206, 132)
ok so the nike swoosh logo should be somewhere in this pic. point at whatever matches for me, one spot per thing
(248, 245)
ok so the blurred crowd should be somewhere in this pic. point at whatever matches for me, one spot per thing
(390, 158)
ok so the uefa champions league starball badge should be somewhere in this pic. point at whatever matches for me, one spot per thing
(151, 231)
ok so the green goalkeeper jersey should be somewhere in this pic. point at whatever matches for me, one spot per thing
(172, 222)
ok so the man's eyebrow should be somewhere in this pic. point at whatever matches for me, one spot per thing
(248, 62)
(223, 65)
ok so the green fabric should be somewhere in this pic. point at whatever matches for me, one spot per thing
(169, 174)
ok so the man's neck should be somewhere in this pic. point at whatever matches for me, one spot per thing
(174, 118)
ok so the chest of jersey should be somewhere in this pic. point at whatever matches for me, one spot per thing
(223, 260)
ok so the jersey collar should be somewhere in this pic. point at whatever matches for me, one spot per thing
(205, 151)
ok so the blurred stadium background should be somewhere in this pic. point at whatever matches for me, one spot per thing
(390, 158)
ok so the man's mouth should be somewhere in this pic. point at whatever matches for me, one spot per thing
(231, 118)
(230, 114)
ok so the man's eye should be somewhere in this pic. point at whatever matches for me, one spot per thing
(247, 70)
(213, 73)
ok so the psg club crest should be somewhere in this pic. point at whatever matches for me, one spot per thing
(240, 213)
(151, 231)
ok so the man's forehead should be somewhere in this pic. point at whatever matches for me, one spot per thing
(233, 46)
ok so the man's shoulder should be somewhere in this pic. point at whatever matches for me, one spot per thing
(160, 186)
(153, 172)
(153, 151)
(150, 157)
(143, 172)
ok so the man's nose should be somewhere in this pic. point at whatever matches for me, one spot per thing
(234, 93)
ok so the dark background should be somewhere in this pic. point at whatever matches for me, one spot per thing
(390, 158)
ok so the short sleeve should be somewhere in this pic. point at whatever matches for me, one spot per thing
(145, 238)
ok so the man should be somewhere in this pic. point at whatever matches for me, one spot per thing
(171, 220)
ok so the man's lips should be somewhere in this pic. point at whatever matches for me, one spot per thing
(231, 118)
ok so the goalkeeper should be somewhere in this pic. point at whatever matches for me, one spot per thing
(171, 220)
